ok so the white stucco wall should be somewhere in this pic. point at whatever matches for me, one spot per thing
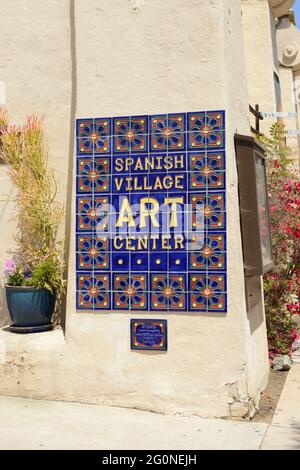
(260, 57)
(141, 57)
(288, 92)
(297, 102)
(36, 68)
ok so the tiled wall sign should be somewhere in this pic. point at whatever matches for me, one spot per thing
(151, 213)
(149, 334)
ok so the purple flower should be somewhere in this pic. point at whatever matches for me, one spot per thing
(10, 266)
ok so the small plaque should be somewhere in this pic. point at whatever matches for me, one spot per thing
(149, 334)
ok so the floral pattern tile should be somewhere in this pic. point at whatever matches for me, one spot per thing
(93, 175)
(208, 211)
(93, 136)
(130, 134)
(208, 292)
(206, 130)
(130, 291)
(168, 292)
(167, 132)
(207, 171)
(92, 213)
(208, 255)
(92, 252)
(93, 291)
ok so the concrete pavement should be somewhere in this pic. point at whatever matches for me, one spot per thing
(284, 431)
(41, 424)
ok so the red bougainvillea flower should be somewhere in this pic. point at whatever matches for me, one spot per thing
(293, 307)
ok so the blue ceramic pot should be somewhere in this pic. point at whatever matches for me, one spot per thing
(29, 306)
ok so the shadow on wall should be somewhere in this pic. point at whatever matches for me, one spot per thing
(4, 315)
(7, 241)
(63, 300)
(254, 298)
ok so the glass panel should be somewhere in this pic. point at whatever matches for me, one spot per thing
(262, 201)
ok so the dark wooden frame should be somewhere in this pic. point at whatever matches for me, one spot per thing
(247, 151)
(256, 113)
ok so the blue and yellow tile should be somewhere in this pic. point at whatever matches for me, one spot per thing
(207, 292)
(206, 171)
(168, 292)
(92, 213)
(93, 136)
(93, 290)
(167, 132)
(130, 291)
(93, 175)
(130, 134)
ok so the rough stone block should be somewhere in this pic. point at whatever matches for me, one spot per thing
(239, 409)
(282, 362)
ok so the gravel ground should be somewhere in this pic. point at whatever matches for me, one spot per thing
(270, 396)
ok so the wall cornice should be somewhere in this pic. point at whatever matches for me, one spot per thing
(280, 7)
(288, 43)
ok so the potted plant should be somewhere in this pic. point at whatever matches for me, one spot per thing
(34, 275)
